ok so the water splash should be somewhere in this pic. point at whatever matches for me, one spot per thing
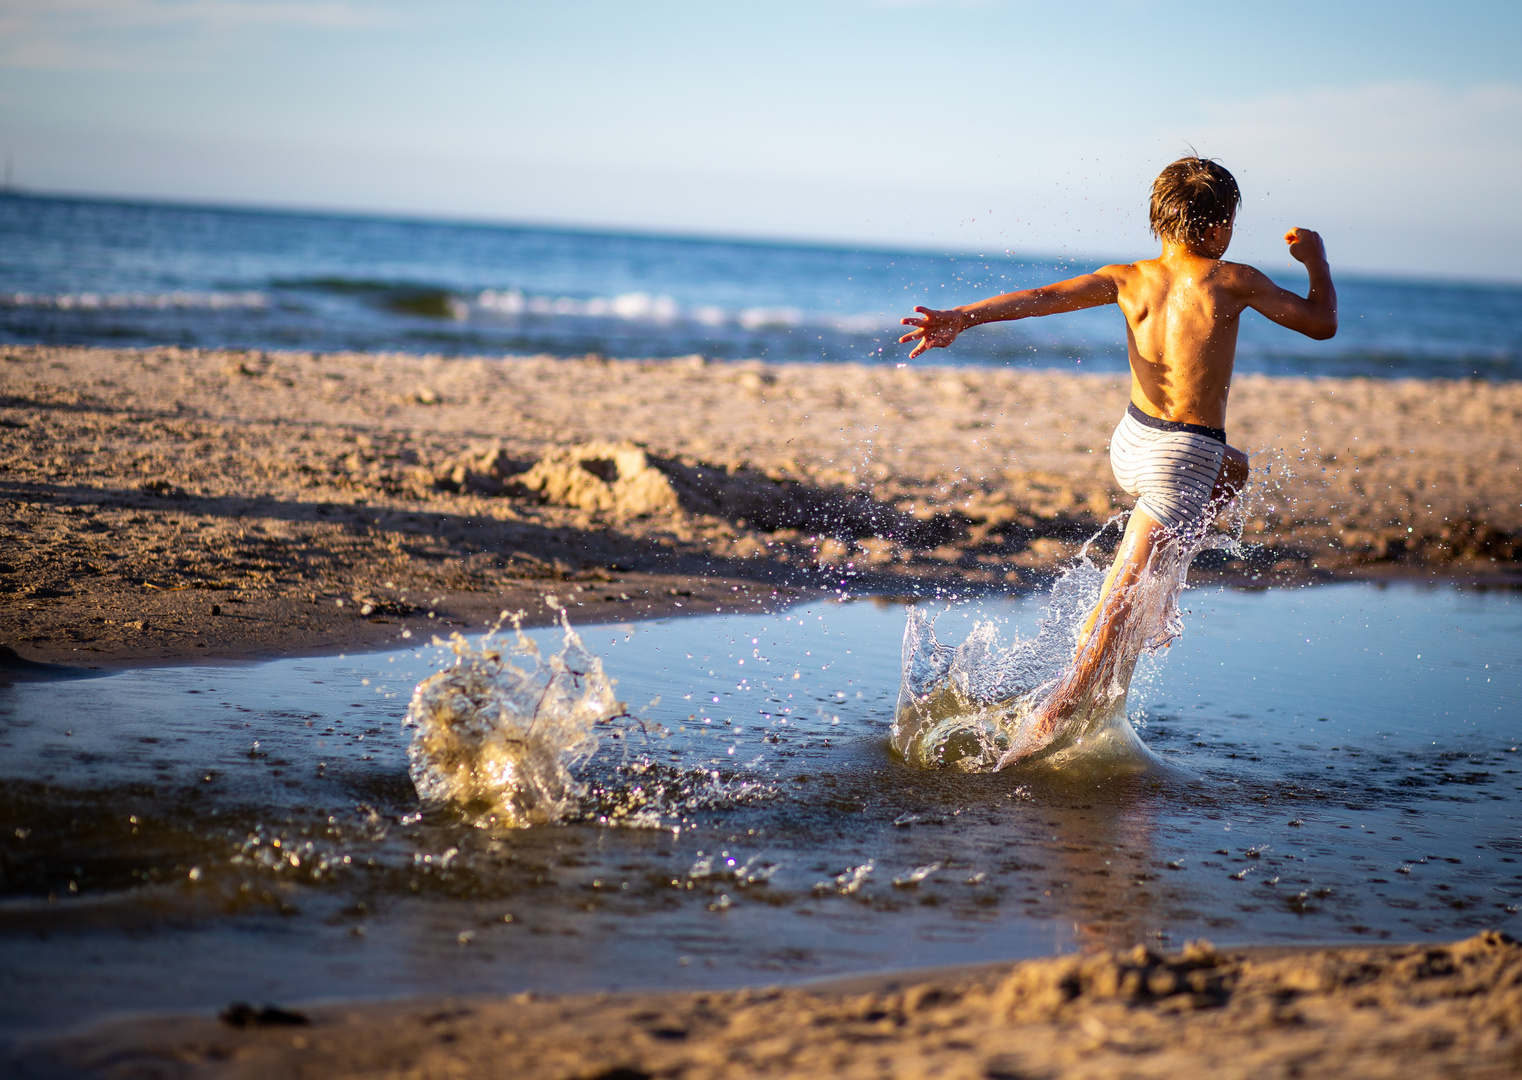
(982, 705)
(499, 732)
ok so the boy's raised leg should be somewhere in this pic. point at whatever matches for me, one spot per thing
(1097, 639)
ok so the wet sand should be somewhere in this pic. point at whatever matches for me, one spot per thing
(166, 504)
(1412, 1011)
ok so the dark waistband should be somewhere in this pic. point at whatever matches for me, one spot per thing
(1218, 434)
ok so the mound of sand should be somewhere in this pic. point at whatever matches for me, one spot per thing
(615, 478)
(624, 481)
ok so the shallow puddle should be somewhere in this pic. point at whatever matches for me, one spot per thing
(1338, 763)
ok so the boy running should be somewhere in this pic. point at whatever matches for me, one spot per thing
(1182, 312)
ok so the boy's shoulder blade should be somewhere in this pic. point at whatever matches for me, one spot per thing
(1240, 275)
(1243, 269)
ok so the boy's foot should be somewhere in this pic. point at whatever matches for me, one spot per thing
(1044, 722)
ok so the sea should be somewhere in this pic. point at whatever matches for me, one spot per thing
(116, 273)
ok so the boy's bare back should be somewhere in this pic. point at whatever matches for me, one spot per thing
(1182, 312)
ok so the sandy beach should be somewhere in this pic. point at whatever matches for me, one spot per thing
(165, 504)
(1435, 1010)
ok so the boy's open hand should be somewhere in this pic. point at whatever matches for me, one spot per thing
(1305, 246)
(936, 330)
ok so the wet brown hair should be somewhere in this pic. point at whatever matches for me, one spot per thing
(1190, 196)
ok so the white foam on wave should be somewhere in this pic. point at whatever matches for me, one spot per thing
(634, 306)
(664, 310)
(92, 301)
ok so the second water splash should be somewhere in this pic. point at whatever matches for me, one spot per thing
(500, 738)
(510, 736)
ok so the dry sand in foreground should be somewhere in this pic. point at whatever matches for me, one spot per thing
(169, 503)
(1402, 1012)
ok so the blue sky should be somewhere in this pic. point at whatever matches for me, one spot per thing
(1394, 128)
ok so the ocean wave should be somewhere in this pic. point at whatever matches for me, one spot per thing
(91, 301)
(662, 309)
(649, 308)
(637, 305)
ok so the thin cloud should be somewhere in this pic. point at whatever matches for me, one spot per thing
(910, 5)
(1401, 173)
(1392, 140)
(104, 35)
(214, 14)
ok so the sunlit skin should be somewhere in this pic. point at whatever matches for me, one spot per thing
(1182, 310)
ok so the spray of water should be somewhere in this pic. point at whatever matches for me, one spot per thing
(983, 705)
(499, 733)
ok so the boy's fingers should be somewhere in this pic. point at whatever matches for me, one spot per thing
(921, 334)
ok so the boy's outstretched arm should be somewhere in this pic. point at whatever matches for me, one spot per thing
(1314, 315)
(936, 329)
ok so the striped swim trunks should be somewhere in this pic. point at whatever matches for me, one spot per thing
(1170, 467)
